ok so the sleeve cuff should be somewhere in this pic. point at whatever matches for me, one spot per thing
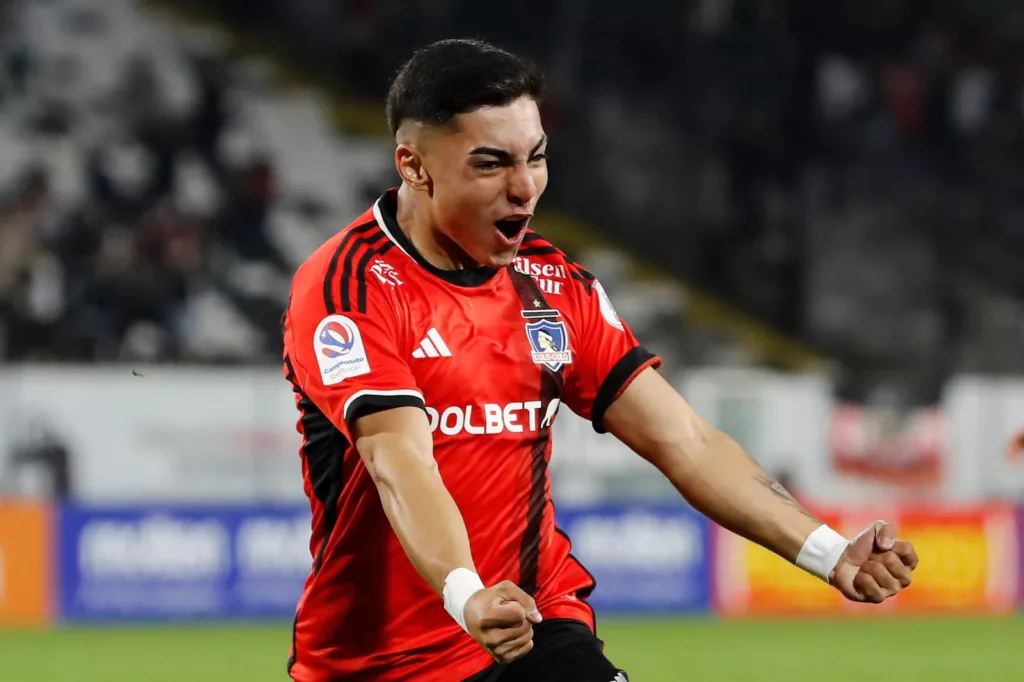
(369, 401)
(621, 376)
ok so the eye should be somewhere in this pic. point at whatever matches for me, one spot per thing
(487, 165)
(537, 158)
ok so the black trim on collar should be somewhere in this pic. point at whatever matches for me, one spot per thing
(388, 206)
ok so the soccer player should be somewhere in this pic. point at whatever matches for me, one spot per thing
(430, 346)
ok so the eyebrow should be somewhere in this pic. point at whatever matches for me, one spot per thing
(503, 153)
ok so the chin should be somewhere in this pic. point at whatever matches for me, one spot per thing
(496, 253)
(501, 260)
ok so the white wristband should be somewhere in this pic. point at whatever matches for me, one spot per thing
(459, 586)
(821, 552)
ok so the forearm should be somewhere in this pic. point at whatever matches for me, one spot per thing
(419, 507)
(711, 471)
(721, 481)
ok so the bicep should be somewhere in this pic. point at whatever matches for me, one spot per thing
(391, 439)
(653, 419)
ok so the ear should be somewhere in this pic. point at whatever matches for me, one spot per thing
(409, 162)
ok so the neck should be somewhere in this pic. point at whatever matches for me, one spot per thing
(418, 224)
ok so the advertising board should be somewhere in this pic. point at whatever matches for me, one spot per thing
(969, 563)
(26, 585)
(181, 563)
(645, 559)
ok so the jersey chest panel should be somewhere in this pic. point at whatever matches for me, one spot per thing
(473, 359)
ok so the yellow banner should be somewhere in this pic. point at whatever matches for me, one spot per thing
(969, 564)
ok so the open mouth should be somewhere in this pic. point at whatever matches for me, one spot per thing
(511, 228)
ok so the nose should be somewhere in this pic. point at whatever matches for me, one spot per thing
(522, 187)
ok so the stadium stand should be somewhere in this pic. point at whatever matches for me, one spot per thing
(823, 214)
(126, 149)
(131, 149)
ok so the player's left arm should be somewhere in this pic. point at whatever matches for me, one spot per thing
(612, 381)
(719, 479)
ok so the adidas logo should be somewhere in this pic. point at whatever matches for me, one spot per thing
(621, 677)
(433, 346)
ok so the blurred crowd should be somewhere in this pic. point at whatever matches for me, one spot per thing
(848, 170)
(108, 276)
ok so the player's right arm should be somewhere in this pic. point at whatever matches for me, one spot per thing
(344, 356)
(396, 447)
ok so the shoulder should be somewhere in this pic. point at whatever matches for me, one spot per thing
(554, 271)
(337, 276)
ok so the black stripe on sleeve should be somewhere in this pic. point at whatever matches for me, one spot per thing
(329, 279)
(623, 371)
(586, 274)
(587, 284)
(361, 273)
(368, 403)
(332, 268)
(370, 242)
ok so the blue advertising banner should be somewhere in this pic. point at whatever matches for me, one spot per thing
(191, 563)
(645, 559)
(188, 563)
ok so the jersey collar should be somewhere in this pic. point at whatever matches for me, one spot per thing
(385, 210)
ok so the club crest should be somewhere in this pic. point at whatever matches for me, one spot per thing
(550, 343)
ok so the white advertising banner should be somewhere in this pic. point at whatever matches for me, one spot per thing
(827, 451)
(160, 434)
(111, 435)
(780, 419)
(984, 415)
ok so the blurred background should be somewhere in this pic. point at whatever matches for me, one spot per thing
(813, 211)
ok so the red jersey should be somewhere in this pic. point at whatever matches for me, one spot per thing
(490, 355)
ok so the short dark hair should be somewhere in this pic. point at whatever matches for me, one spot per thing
(457, 76)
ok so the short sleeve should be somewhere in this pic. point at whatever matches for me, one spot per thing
(608, 357)
(348, 361)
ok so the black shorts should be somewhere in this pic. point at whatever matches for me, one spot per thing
(563, 651)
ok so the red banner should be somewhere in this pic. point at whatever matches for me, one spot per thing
(26, 563)
(969, 564)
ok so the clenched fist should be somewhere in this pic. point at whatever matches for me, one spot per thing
(501, 619)
(875, 566)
